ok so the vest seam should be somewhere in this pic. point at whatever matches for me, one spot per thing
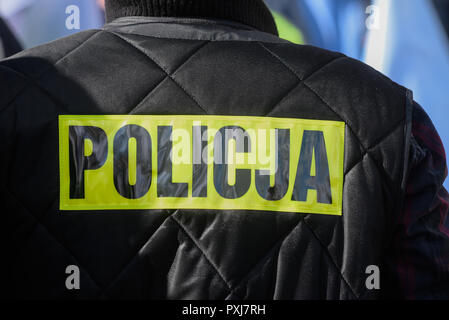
(184, 21)
(407, 137)
(301, 82)
(193, 40)
(241, 283)
(169, 76)
(378, 142)
(325, 249)
(210, 262)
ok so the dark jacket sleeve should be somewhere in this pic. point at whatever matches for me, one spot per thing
(420, 257)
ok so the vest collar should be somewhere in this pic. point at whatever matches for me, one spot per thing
(253, 13)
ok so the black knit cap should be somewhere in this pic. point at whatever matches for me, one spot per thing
(250, 12)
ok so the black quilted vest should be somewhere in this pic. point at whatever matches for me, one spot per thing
(149, 66)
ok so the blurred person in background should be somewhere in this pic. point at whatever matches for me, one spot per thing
(337, 25)
(38, 21)
(8, 42)
(410, 45)
(189, 58)
(443, 10)
(287, 30)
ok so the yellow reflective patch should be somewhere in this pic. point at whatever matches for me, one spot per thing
(88, 147)
(109, 173)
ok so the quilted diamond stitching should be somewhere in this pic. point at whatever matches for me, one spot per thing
(59, 104)
(52, 237)
(270, 254)
(215, 267)
(248, 276)
(375, 145)
(365, 150)
(203, 252)
(133, 257)
(326, 250)
(195, 100)
(43, 73)
(38, 222)
(189, 94)
(301, 80)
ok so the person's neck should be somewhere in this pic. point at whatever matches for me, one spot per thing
(250, 12)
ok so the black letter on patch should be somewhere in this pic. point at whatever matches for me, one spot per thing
(278, 191)
(79, 162)
(313, 142)
(143, 161)
(199, 177)
(242, 176)
(165, 185)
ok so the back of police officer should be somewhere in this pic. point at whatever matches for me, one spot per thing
(90, 188)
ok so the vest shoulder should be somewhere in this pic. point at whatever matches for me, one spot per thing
(35, 61)
(310, 62)
(30, 66)
(11, 83)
